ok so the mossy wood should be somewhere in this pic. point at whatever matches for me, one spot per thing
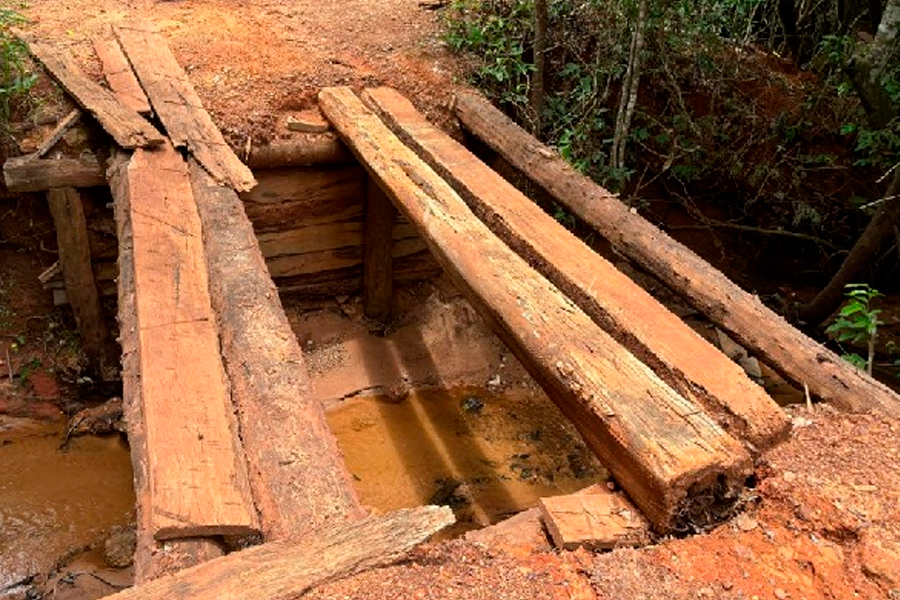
(669, 455)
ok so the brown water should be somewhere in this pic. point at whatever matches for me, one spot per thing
(53, 502)
(487, 455)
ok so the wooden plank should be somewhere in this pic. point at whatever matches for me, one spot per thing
(297, 474)
(58, 132)
(81, 288)
(768, 336)
(120, 77)
(669, 455)
(301, 150)
(633, 317)
(594, 518)
(152, 558)
(378, 254)
(127, 128)
(26, 174)
(281, 570)
(196, 469)
(178, 106)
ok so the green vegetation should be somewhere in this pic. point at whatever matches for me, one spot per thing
(857, 322)
(15, 80)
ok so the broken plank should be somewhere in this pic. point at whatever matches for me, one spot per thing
(767, 335)
(127, 128)
(120, 77)
(671, 457)
(297, 474)
(281, 570)
(626, 311)
(78, 274)
(27, 174)
(61, 128)
(196, 467)
(595, 518)
(179, 108)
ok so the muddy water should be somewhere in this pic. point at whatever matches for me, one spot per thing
(54, 503)
(486, 455)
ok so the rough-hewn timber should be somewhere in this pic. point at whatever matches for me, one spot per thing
(27, 174)
(286, 570)
(378, 250)
(178, 106)
(297, 475)
(120, 77)
(301, 150)
(58, 132)
(669, 455)
(798, 358)
(632, 316)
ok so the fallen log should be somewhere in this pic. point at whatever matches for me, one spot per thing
(302, 150)
(633, 317)
(196, 469)
(792, 354)
(152, 558)
(297, 474)
(673, 460)
(284, 570)
(28, 174)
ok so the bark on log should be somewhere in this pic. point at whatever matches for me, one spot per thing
(282, 571)
(672, 459)
(300, 151)
(795, 356)
(633, 317)
(27, 174)
(378, 247)
(152, 559)
(297, 474)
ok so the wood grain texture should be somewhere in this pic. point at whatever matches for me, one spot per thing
(120, 77)
(27, 174)
(633, 317)
(669, 456)
(179, 108)
(196, 468)
(127, 128)
(297, 473)
(286, 570)
(768, 336)
(301, 150)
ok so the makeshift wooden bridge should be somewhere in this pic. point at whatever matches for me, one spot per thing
(226, 438)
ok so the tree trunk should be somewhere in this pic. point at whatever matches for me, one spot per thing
(880, 227)
(628, 95)
(867, 68)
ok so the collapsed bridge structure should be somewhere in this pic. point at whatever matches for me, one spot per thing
(226, 438)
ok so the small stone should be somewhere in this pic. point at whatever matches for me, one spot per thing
(780, 593)
(745, 522)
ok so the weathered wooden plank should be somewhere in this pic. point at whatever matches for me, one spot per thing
(301, 150)
(670, 456)
(27, 174)
(196, 469)
(595, 518)
(152, 558)
(178, 106)
(282, 570)
(81, 288)
(127, 128)
(795, 356)
(378, 253)
(297, 474)
(120, 77)
(58, 132)
(633, 317)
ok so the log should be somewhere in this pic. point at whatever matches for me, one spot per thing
(283, 570)
(196, 468)
(127, 128)
(792, 354)
(623, 309)
(670, 456)
(120, 77)
(27, 174)
(297, 473)
(300, 151)
(378, 247)
(178, 106)
(78, 274)
(152, 559)
(58, 132)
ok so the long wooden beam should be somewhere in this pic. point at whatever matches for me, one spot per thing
(794, 355)
(633, 317)
(669, 455)
(28, 174)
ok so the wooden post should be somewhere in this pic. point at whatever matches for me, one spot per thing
(673, 460)
(378, 249)
(78, 274)
(795, 356)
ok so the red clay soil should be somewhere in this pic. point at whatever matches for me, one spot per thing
(824, 520)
